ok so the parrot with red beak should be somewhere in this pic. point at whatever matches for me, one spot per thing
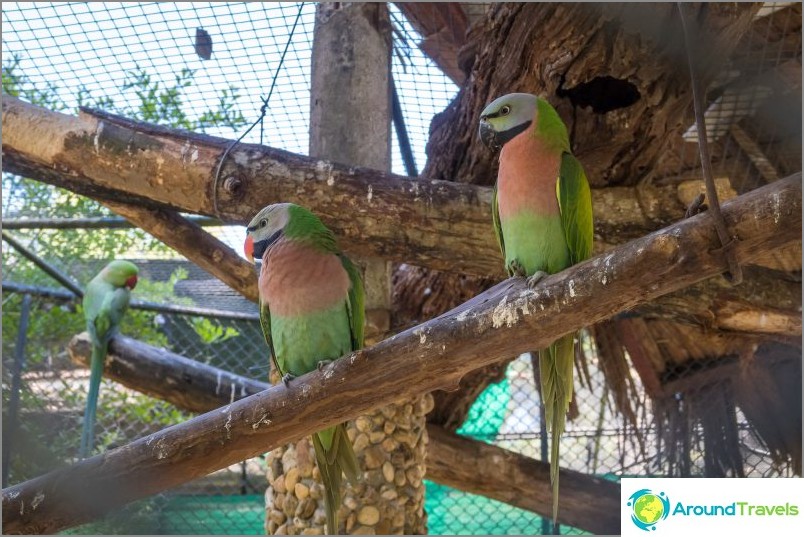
(105, 302)
(312, 312)
(542, 216)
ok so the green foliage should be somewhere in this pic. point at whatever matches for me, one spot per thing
(211, 332)
(52, 398)
(17, 84)
(164, 104)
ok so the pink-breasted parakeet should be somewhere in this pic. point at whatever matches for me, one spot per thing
(542, 215)
(105, 302)
(312, 312)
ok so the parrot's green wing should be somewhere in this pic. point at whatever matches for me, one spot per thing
(575, 204)
(265, 324)
(495, 216)
(355, 307)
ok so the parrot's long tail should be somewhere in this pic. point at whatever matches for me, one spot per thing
(96, 370)
(339, 459)
(556, 364)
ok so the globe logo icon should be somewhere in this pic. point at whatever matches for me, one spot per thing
(648, 508)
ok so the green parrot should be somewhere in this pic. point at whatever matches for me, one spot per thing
(105, 302)
(542, 214)
(312, 312)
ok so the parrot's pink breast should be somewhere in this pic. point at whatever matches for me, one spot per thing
(527, 177)
(296, 279)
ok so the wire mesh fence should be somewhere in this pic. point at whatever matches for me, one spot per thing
(142, 60)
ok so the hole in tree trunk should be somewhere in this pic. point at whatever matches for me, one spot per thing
(603, 94)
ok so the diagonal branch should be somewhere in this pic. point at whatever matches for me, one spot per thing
(192, 241)
(506, 320)
(588, 503)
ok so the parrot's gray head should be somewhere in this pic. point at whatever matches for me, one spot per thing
(506, 117)
(265, 229)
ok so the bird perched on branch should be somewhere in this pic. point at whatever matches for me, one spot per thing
(312, 312)
(105, 302)
(542, 215)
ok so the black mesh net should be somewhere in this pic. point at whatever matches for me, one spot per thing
(146, 61)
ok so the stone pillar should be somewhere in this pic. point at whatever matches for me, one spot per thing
(350, 123)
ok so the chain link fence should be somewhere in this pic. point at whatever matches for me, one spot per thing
(140, 60)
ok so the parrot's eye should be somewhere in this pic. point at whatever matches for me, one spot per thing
(505, 110)
(263, 223)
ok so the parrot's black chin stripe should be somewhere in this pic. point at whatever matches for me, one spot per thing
(496, 140)
(261, 246)
(506, 136)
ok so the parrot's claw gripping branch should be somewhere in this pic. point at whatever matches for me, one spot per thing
(536, 278)
(516, 269)
(322, 364)
(287, 378)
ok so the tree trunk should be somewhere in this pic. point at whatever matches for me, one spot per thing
(616, 73)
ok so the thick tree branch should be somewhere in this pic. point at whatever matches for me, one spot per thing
(587, 502)
(440, 224)
(490, 471)
(504, 321)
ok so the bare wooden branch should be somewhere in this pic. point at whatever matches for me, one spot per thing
(459, 462)
(439, 224)
(508, 477)
(763, 305)
(504, 321)
(197, 245)
(188, 384)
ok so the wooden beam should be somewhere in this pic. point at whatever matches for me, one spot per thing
(443, 225)
(587, 503)
(763, 305)
(504, 321)
(754, 152)
(186, 383)
(443, 27)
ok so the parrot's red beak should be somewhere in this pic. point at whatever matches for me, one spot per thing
(131, 283)
(248, 248)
